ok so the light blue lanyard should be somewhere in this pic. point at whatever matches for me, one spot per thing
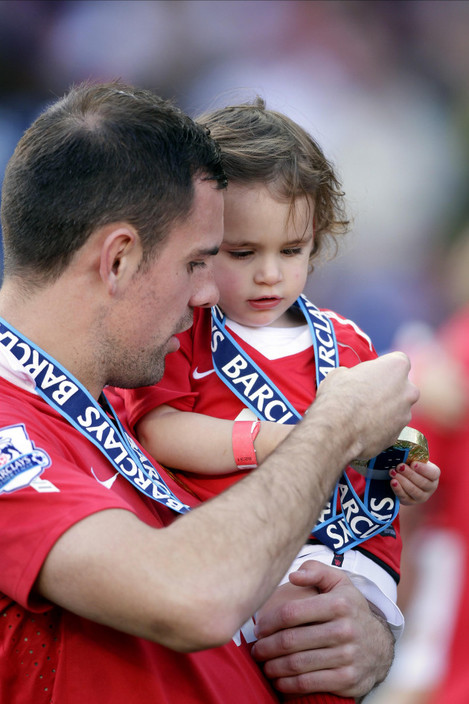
(347, 520)
(70, 399)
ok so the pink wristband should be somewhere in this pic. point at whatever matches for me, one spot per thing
(244, 434)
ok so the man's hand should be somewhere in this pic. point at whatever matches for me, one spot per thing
(375, 398)
(319, 634)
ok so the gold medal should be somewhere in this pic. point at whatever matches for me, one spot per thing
(409, 439)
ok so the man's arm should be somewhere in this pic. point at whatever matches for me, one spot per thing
(175, 585)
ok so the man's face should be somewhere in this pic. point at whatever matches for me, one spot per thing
(162, 297)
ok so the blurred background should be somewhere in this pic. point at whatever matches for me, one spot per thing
(382, 85)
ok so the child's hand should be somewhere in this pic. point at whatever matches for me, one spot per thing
(415, 484)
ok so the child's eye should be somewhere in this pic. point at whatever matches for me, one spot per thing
(240, 253)
(291, 251)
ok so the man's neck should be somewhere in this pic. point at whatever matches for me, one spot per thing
(44, 317)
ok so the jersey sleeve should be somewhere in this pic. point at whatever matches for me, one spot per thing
(40, 504)
(354, 345)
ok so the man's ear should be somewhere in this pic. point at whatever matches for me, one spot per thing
(120, 255)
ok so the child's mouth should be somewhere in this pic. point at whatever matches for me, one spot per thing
(264, 303)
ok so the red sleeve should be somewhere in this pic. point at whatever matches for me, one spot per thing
(34, 516)
(353, 344)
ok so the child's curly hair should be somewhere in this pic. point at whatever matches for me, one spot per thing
(264, 146)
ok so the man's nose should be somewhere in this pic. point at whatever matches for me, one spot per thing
(206, 294)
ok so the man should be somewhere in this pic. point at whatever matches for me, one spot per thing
(112, 212)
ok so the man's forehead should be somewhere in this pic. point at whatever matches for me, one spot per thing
(200, 232)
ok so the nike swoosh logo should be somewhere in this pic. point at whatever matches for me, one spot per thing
(200, 375)
(107, 483)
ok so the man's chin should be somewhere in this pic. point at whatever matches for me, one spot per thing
(173, 345)
(136, 382)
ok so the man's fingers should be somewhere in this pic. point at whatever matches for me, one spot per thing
(380, 395)
(299, 603)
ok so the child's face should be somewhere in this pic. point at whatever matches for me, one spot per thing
(262, 265)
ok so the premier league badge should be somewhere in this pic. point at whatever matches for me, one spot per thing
(411, 445)
(20, 461)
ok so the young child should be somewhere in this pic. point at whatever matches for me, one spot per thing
(260, 355)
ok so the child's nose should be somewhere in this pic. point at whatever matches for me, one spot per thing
(269, 272)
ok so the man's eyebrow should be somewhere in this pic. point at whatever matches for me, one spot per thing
(208, 252)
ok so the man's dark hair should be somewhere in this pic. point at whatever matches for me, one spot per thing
(102, 153)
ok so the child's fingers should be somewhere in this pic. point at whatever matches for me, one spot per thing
(407, 491)
(414, 484)
(427, 469)
(425, 475)
(403, 497)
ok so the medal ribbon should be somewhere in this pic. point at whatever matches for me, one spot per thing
(347, 520)
(70, 399)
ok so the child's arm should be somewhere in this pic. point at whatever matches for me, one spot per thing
(415, 484)
(193, 442)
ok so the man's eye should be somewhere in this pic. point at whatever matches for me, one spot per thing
(197, 265)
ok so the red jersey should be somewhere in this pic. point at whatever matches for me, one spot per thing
(51, 656)
(191, 384)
